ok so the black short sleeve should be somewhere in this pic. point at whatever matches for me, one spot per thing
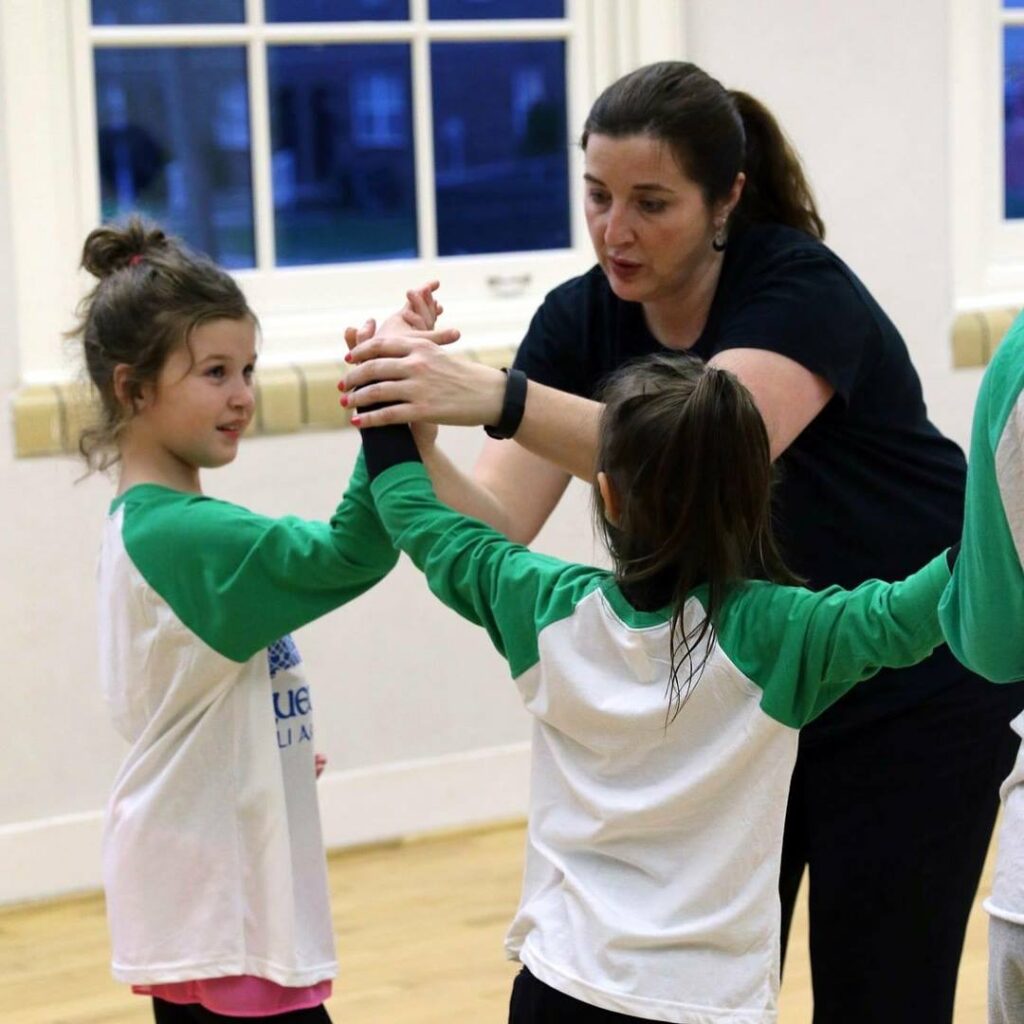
(805, 306)
(581, 334)
(552, 349)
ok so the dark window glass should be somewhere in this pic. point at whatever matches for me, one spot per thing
(336, 10)
(343, 170)
(167, 12)
(501, 151)
(442, 10)
(174, 144)
(1013, 98)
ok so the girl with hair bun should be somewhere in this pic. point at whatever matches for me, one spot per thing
(667, 698)
(708, 241)
(213, 859)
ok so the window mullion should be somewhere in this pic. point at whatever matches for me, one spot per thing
(85, 121)
(423, 133)
(261, 155)
(128, 36)
(579, 55)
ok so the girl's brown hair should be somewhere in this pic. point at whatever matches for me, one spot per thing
(688, 456)
(714, 134)
(151, 294)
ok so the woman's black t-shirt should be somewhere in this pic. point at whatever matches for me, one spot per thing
(870, 489)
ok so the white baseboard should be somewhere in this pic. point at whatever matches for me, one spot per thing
(60, 856)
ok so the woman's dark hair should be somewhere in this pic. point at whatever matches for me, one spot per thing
(714, 134)
(151, 294)
(688, 457)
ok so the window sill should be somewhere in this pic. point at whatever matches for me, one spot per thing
(290, 397)
(977, 333)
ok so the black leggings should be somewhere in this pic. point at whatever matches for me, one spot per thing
(533, 1002)
(893, 819)
(193, 1013)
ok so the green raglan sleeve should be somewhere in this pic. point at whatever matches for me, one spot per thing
(805, 649)
(982, 610)
(504, 587)
(239, 580)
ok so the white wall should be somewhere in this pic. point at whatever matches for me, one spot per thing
(413, 709)
(863, 91)
(8, 337)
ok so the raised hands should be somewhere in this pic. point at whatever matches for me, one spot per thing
(402, 365)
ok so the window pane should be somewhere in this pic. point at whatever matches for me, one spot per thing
(1013, 3)
(500, 147)
(174, 144)
(337, 10)
(167, 12)
(472, 9)
(1013, 96)
(343, 171)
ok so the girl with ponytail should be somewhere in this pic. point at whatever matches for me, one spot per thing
(667, 697)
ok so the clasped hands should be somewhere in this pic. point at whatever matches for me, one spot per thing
(404, 365)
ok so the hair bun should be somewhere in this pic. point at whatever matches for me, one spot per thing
(112, 247)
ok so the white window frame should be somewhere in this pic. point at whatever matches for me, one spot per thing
(988, 250)
(49, 148)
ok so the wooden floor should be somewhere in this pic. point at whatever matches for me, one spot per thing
(419, 928)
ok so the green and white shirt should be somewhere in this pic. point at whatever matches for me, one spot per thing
(652, 866)
(982, 610)
(213, 859)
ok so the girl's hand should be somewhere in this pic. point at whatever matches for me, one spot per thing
(420, 382)
(319, 764)
(421, 309)
(419, 313)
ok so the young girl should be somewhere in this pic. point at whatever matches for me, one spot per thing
(667, 694)
(213, 860)
(982, 615)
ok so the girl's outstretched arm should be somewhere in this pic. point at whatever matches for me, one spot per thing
(805, 649)
(240, 580)
(489, 580)
(983, 606)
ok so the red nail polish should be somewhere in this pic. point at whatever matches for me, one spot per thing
(344, 401)
(348, 357)
(356, 420)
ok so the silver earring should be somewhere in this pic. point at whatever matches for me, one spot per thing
(720, 240)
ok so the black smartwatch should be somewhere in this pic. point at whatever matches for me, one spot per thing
(512, 407)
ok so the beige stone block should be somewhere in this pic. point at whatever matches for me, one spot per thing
(322, 406)
(969, 340)
(38, 424)
(278, 400)
(499, 357)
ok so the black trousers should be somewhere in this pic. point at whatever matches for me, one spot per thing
(193, 1013)
(533, 1002)
(893, 820)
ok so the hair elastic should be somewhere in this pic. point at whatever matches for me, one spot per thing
(135, 260)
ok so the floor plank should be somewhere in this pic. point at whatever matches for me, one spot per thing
(420, 928)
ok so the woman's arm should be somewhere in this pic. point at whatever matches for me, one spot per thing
(510, 488)
(787, 395)
(425, 383)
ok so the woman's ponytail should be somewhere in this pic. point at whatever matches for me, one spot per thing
(776, 190)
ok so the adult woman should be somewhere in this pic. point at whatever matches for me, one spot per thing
(707, 239)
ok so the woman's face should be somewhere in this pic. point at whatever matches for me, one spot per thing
(649, 223)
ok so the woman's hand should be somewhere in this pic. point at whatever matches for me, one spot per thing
(420, 382)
